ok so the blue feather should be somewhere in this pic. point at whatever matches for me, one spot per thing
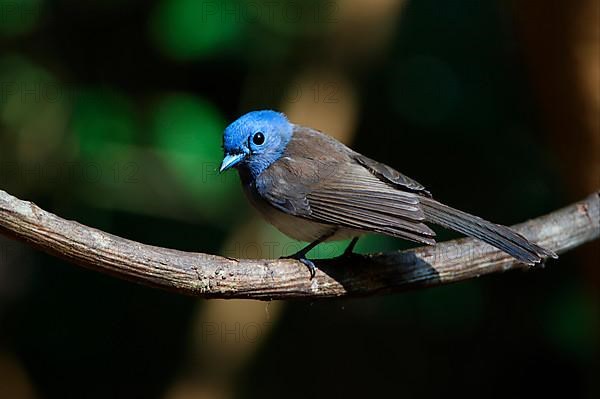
(238, 139)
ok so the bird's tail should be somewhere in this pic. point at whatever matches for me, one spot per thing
(496, 235)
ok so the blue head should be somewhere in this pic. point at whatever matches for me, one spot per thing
(255, 141)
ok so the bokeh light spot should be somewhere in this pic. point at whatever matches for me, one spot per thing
(102, 118)
(188, 130)
(33, 107)
(573, 323)
(18, 17)
(189, 29)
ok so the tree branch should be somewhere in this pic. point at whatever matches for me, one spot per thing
(212, 276)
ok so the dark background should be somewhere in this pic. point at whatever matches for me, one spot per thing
(111, 114)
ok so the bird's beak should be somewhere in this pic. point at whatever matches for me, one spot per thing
(230, 161)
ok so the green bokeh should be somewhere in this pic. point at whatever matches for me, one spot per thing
(368, 243)
(24, 90)
(101, 119)
(105, 128)
(18, 17)
(189, 29)
(34, 108)
(572, 322)
(189, 130)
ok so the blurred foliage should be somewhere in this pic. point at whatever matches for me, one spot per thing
(102, 119)
(190, 132)
(111, 113)
(573, 322)
(19, 17)
(188, 29)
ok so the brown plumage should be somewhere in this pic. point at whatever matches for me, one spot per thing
(340, 193)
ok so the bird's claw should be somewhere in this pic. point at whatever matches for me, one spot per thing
(311, 266)
(306, 262)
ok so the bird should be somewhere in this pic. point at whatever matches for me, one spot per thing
(315, 189)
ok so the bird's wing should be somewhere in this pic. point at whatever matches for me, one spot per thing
(391, 175)
(319, 179)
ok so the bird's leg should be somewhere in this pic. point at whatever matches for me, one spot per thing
(301, 255)
(350, 248)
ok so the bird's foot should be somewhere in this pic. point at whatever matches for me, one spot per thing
(349, 251)
(301, 257)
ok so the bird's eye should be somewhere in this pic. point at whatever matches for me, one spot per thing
(258, 138)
